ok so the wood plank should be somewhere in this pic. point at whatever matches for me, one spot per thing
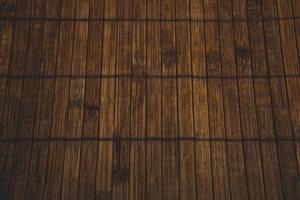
(110, 47)
(27, 108)
(137, 170)
(55, 170)
(87, 173)
(35, 38)
(20, 41)
(184, 67)
(272, 38)
(138, 107)
(168, 9)
(264, 109)
(60, 107)
(231, 109)
(282, 118)
(237, 170)
(170, 170)
(104, 171)
(201, 113)
(6, 41)
(220, 172)
(10, 8)
(288, 38)
(289, 169)
(187, 170)
(91, 107)
(154, 170)
(51, 39)
(139, 60)
(293, 87)
(19, 171)
(37, 170)
(154, 67)
(153, 9)
(71, 170)
(121, 170)
(6, 162)
(271, 170)
(108, 86)
(198, 57)
(196, 9)
(5, 50)
(107, 123)
(204, 176)
(66, 35)
(215, 107)
(250, 112)
(122, 109)
(254, 170)
(169, 68)
(11, 105)
(256, 36)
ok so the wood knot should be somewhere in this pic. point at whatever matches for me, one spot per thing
(213, 59)
(7, 6)
(76, 103)
(120, 175)
(253, 9)
(170, 57)
(91, 112)
(242, 56)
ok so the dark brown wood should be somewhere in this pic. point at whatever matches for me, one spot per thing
(149, 99)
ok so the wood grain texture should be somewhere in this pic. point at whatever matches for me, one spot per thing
(149, 99)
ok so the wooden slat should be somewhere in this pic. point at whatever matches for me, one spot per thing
(289, 169)
(137, 170)
(293, 86)
(19, 171)
(51, 39)
(215, 107)
(169, 67)
(6, 158)
(66, 36)
(154, 170)
(288, 38)
(184, 67)
(237, 171)
(264, 109)
(37, 170)
(204, 176)
(91, 107)
(272, 38)
(170, 171)
(249, 112)
(254, 170)
(231, 110)
(12, 100)
(27, 109)
(55, 170)
(139, 59)
(187, 170)
(220, 172)
(196, 9)
(121, 170)
(271, 170)
(87, 173)
(282, 118)
(104, 171)
(60, 107)
(71, 170)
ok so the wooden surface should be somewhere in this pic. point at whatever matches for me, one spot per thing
(150, 99)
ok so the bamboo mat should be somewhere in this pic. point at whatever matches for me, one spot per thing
(150, 99)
